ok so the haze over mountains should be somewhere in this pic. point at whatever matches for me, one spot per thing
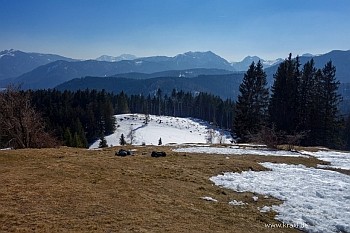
(191, 71)
(14, 63)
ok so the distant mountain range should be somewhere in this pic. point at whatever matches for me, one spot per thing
(14, 63)
(341, 60)
(55, 73)
(38, 71)
(188, 57)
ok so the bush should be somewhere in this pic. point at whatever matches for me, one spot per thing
(272, 138)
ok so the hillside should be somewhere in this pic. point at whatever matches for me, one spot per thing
(14, 63)
(55, 73)
(172, 130)
(225, 86)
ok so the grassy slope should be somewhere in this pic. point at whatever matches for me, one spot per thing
(77, 190)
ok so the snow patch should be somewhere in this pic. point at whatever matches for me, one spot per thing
(337, 159)
(237, 203)
(316, 200)
(209, 199)
(265, 209)
(8, 148)
(237, 150)
(8, 53)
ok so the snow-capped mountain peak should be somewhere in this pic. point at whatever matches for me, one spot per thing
(10, 52)
(247, 61)
(116, 59)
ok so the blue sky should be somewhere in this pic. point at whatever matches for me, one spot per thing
(231, 28)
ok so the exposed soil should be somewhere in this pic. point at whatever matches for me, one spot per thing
(78, 190)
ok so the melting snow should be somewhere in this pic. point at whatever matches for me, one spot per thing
(315, 200)
(337, 159)
(265, 209)
(209, 199)
(236, 150)
(234, 202)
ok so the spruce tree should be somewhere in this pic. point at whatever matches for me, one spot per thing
(261, 95)
(330, 102)
(307, 91)
(103, 141)
(251, 106)
(346, 134)
(160, 142)
(68, 139)
(122, 140)
(283, 107)
(77, 141)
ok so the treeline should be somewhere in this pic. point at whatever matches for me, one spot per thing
(79, 118)
(303, 106)
(76, 118)
(185, 104)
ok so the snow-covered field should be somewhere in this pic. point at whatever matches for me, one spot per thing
(315, 200)
(172, 130)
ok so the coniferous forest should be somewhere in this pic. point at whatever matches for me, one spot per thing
(301, 107)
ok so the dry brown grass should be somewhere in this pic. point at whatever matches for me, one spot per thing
(77, 190)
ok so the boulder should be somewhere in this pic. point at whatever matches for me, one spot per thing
(123, 153)
(157, 154)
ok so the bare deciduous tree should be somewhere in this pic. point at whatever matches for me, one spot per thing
(131, 134)
(272, 138)
(21, 126)
(210, 136)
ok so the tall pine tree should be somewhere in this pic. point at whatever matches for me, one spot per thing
(307, 91)
(252, 103)
(330, 102)
(346, 134)
(283, 107)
